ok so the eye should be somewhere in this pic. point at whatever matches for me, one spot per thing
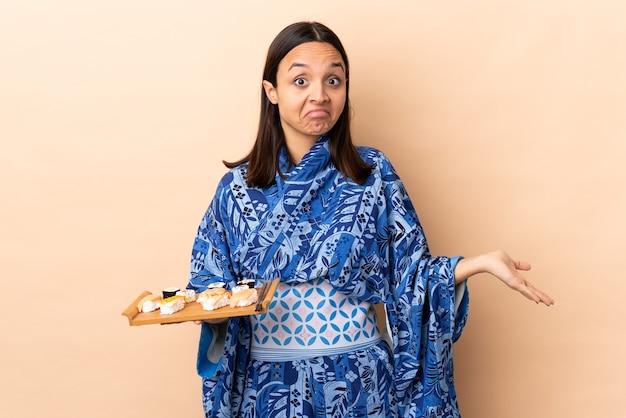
(299, 81)
(334, 81)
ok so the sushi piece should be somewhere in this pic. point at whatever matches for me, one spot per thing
(214, 298)
(246, 282)
(244, 297)
(149, 303)
(216, 284)
(169, 292)
(172, 304)
(188, 294)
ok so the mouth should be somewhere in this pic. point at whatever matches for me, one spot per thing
(317, 113)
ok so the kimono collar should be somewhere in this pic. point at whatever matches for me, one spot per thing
(315, 160)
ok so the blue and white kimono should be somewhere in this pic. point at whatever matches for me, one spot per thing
(367, 242)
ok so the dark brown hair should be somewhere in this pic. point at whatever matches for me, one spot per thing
(263, 159)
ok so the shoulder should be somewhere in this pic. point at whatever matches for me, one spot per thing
(230, 184)
(377, 159)
(370, 154)
(233, 177)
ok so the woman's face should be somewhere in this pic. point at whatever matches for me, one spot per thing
(310, 92)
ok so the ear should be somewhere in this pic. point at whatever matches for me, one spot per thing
(270, 92)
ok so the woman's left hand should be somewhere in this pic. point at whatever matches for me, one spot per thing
(503, 267)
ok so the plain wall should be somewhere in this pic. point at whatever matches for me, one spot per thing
(505, 119)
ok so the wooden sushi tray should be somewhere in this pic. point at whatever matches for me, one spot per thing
(193, 311)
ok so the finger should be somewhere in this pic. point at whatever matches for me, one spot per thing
(543, 297)
(536, 295)
(526, 291)
(521, 265)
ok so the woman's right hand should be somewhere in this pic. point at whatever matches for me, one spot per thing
(212, 321)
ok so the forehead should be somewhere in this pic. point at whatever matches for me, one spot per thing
(312, 54)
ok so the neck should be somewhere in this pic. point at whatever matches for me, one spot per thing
(297, 148)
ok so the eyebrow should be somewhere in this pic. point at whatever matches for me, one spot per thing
(300, 64)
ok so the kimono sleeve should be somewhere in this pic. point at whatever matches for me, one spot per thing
(425, 313)
(210, 255)
(211, 262)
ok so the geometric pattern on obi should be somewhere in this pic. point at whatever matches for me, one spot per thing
(311, 319)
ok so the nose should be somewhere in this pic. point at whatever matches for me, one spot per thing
(318, 92)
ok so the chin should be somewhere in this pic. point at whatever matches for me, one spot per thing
(319, 132)
(322, 125)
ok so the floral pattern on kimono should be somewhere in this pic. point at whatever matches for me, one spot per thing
(366, 240)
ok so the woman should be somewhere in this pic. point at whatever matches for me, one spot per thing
(335, 223)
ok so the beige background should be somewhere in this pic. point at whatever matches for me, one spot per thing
(504, 118)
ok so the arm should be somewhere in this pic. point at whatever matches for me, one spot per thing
(210, 259)
(499, 264)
